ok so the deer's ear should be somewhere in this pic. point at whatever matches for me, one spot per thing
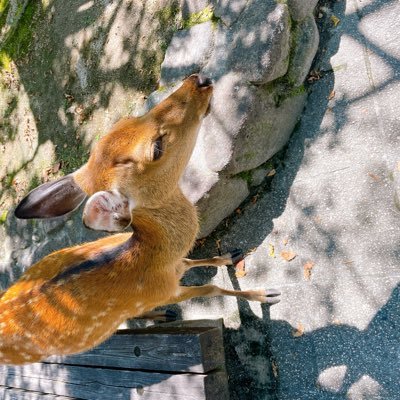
(107, 211)
(52, 199)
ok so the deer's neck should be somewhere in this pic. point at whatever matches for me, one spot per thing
(171, 228)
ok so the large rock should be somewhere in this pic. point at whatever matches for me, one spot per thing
(226, 196)
(305, 40)
(259, 140)
(259, 44)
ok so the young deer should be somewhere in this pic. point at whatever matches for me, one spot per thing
(76, 297)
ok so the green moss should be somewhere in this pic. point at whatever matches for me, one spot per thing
(4, 4)
(3, 217)
(72, 158)
(246, 176)
(168, 15)
(35, 182)
(205, 15)
(4, 7)
(17, 44)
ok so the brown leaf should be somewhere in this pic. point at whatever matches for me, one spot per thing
(331, 95)
(238, 211)
(314, 75)
(201, 242)
(375, 177)
(308, 266)
(240, 269)
(317, 219)
(288, 255)
(272, 172)
(254, 199)
(271, 250)
(335, 20)
(56, 167)
(252, 250)
(299, 331)
(69, 97)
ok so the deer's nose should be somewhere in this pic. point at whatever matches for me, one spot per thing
(203, 81)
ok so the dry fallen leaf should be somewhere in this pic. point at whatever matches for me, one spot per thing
(240, 269)
(317, 219)
(271, 250)
(254, 199)
(56, 167)
(238, 211)
(331, 95)
(299, 331)
(308, 266)
(275, 370)
(375, 177)
(272, 172)
(251, 251)
(218, 243)
(288, 255)
(335, 20)
(313, 76)
(200, 242)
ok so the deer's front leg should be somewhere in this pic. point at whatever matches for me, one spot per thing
(230, 258)
(269, 296)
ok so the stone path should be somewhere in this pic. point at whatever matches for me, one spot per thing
(336, 332)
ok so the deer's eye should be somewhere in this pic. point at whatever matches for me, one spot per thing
(158, 148)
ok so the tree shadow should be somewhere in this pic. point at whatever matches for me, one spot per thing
(337, 357)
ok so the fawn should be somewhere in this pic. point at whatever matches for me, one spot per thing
(75, 298)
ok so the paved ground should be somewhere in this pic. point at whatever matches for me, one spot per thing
(336, 332)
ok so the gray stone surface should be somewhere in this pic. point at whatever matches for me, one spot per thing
(258, 47)
(258, 175)
(396, 185)
(188, 52)
(229, 10)
(299, 9)
(305, 40)
(259, 140)
(211, 207)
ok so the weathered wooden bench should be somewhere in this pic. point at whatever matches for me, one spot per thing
(165, 362)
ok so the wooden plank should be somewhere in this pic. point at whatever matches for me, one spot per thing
(106, 384)
(172, 349)
(19, 394)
